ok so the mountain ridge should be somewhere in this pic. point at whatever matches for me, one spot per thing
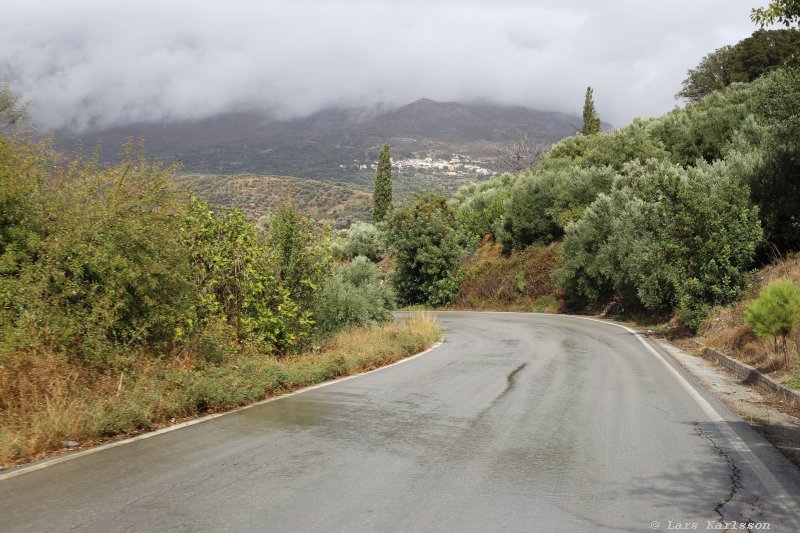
(325, 145)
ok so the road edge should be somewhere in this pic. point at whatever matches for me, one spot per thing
(749, 374)
(69, 456)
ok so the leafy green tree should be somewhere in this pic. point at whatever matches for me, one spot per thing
(750, 58)
(427, 250)
(365, 239)
(712, 74)
(776, 313)
(591, 122)
(542, 204)
(763, 52)
(480, 206)
(237, 278)
(302, 258)
(527, 220)
(786, 12)
(613, 148)
(774, 184)
(382, 193)
(703, 130)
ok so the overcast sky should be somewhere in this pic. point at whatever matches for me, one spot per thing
(106, 62)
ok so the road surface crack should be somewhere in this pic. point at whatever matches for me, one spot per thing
(511, 380)
(735, 477)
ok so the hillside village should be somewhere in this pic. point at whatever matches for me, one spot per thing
(457, 165)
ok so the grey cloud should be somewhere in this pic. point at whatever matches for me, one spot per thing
(91, 62)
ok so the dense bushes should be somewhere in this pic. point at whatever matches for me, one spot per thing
(106, 269)
(97, 263)
(664, 214)
(353, 295)
(645, 242)
(427, 248)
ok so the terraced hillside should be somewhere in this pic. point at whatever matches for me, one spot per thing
(331, 203)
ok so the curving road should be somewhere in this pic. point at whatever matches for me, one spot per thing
(516, 423)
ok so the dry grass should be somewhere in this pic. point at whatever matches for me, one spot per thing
(727, 330)
(520, 282)
(45, 399)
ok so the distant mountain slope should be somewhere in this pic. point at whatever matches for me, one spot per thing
(333, 145)
(255, 196)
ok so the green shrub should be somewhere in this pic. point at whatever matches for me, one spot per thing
(236, 276)
(666, 238)
(776, 312)
(542, 204)
(108, 270)
(480, 206)
(352, 296)
(428, 250)
(302, 257)
(365, 239)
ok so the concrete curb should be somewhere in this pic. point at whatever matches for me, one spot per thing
(750, 375)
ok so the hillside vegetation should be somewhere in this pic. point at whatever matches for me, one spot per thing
(666, 214)
(125, 301)
(258, 196)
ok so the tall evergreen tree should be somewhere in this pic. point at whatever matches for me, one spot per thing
(591, 122)
(382, 194)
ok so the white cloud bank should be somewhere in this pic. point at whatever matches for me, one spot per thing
(98, 63)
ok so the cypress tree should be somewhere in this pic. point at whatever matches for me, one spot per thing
(382, 194)
(591, 122)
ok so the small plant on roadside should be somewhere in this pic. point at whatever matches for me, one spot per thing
(776, 313)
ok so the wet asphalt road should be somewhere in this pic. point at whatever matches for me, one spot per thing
(517, 423)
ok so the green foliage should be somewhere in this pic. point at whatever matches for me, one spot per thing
(612, 149)
(382, 193)
(100, 262)
(643, 243)
(589, 266)
(480, 206)
(108, 269)
(238, 278)
(542, 204)
(591, 122)
(427, 249)
(526, 213)
(776, 311)
(773, 183)
(703, 130)
(750, 58)
(365, 239)
(711, 75)
(302, 257)
(786, 12)
(352, 296)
